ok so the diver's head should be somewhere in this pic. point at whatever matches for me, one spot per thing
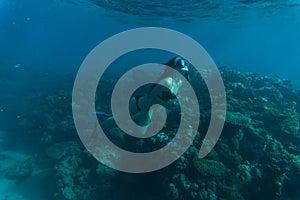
(181, 65)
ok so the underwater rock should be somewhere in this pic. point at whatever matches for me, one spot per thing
(20, 170)
(238, 119)
(72, 179)
(172, 192)
(62, 149)
(209, 168)
(252, 146)
(236, 139)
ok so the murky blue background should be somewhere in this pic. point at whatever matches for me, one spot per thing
(58, 35)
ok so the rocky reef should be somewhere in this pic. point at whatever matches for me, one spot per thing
(257, 156)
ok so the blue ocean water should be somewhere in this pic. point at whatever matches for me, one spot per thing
(59, 33)
(43, 43)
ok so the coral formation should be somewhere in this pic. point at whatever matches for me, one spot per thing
(257, 155)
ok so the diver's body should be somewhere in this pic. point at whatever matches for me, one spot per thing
(139, 105)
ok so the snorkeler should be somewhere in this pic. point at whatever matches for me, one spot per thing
(139, 105)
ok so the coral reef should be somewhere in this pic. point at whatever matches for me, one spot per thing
(62, 149)
(257, 155)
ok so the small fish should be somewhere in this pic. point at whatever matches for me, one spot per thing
(17, 65)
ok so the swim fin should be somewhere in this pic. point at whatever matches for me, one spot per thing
(98, 113)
